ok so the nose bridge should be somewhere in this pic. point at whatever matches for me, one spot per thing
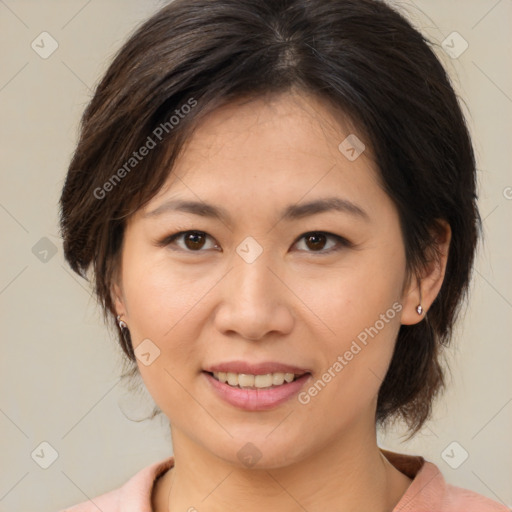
(254, 301)
(253, 282)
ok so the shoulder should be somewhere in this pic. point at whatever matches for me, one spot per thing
(429, 491)
(108, 502)
(133, 496)
(457, 498)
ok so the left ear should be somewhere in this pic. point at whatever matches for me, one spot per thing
(431, 279)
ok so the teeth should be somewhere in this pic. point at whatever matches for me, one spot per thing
(244, 380)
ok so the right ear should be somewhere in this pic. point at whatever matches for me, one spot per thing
(117, 296)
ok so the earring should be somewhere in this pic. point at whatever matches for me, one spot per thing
(419, 307)
(125, 333)
(122, 324)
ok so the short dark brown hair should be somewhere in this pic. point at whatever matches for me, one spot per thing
(362, 57)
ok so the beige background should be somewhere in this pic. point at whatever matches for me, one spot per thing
(59, 366)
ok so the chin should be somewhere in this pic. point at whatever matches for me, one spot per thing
(258, 449)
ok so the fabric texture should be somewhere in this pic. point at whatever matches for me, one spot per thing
(428, 491)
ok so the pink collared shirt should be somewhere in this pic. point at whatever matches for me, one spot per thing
(428, 491)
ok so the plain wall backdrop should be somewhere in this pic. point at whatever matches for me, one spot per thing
(60, 366)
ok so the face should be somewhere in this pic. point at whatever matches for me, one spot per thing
(269, 285)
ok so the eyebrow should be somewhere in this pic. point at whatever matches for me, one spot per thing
(290, 213)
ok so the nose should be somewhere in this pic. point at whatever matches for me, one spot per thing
(254, 302)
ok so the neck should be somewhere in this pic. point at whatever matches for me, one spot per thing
(349, 475)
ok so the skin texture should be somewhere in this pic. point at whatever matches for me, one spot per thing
(296, 303)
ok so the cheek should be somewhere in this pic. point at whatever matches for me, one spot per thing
(353, 297)
(160, 305)
(161, 308)
(157, 295)
(356, 358)
(360, 313)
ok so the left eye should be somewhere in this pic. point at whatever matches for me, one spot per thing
(315, 241)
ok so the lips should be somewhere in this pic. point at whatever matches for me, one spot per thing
(255, 368)
(256, 399)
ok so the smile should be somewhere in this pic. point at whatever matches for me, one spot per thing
(244, 380)
(255, 392)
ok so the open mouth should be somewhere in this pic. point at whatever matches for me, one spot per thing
(248, 381)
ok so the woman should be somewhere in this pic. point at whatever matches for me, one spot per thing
(277, 200)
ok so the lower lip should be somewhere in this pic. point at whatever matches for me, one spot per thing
(257, 399)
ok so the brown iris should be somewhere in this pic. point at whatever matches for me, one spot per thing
(194, 240)
(315, 241)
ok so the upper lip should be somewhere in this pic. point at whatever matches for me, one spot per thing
(255, 369)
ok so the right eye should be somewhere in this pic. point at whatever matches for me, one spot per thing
(192, 240)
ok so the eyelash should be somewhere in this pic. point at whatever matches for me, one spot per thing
(343, 242)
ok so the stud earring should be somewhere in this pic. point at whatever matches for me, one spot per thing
(419, 307)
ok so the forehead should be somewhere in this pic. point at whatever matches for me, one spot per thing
(251, 153)
(285, 125)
